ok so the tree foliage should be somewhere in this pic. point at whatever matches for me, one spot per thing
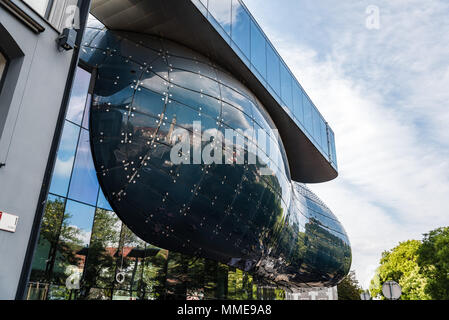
(434, 263)
(349, 288)
(401, 265)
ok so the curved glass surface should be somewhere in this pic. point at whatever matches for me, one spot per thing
(245, 215)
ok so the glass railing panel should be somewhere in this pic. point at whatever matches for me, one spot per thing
(273, 76)
(298, 109)
(323, 134)
(221, 11)
(232, 18)
(316, 126)
(241, 24)
(286, 87)
(258, 53)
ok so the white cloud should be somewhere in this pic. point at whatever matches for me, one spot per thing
(385, 95)
(63, 168)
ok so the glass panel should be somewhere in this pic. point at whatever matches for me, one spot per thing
(73, 242)
(308, 120)
(258, 53)
(148, 102)
(332, 146)
(186, 63)
(265, 63)
(131, 254)
(297, 102)
(102, 201)
(316, 126)
(100, 266)
(78, 96)
(221, 11)
(286, 86)
(201, 103)
(154, 273)
(237, 100)
(44, 255)
(40, 6)
(64, 161)
(84, 184)
(323, 135)
(85, 123)
(235, 118)
(195, 82)
(241, 27)
(273, 69)
(211, 283)
(2, 65)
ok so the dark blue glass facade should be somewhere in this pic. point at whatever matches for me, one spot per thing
(155, 230)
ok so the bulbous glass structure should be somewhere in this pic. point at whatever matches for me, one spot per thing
(247, 215)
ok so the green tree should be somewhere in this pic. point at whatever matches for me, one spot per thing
(434, 263)
(400, 265)
(349, 288)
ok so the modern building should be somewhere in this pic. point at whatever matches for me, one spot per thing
(160, 152)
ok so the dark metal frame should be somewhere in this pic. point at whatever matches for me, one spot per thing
(3, 75)
(2, 80)
(84, 6)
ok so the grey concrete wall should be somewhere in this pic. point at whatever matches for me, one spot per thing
(27, 136)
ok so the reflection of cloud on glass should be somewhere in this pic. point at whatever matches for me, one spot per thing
(63, 168)
(68, 140)
(194, 81)
(234, 116)
(84, 184)
(84, 146)
(82, 236)
(76, 108)
(39, 5)
(221, 11)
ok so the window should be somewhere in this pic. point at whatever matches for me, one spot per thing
(241, 24)
(221, 11)
(3, 62)
(40, 6)
(298, 102)
(258, 54)
(273, 76)
(308, 120)
(286, 86)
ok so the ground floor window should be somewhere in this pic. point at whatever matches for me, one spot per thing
(3, 62)
(85, 252)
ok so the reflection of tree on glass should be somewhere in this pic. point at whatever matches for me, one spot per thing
(48, 240)
(99, 271)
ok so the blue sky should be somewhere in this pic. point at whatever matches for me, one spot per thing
(385, 93)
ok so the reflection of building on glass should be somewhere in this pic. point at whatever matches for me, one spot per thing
(2, 66)
(117, 218)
